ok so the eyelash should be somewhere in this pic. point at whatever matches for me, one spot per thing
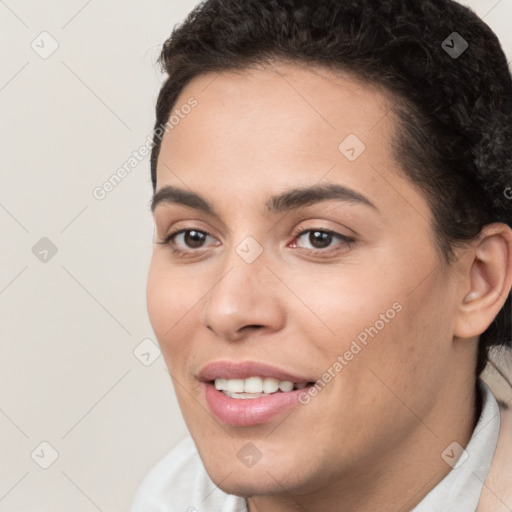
(169, 240)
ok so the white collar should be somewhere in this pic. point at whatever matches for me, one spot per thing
(460, 490)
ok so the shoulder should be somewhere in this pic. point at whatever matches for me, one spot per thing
(497, 491)
(179, 482)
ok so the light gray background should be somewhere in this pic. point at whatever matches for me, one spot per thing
(69, 326)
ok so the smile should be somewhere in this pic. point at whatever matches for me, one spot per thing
(255, 387)
(247, 394)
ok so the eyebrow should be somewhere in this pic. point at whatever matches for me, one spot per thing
(282, 202)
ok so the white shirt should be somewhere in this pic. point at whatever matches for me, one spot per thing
(179, 482)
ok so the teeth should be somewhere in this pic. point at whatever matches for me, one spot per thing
(244, 396)
(253, 387)
(235, 385)
(286, 385)
(270, 385)
(221, 384)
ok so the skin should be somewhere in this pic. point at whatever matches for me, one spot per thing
(373, 436)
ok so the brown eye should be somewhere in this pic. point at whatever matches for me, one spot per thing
(194, 239)
(186, 240)
(318, 240)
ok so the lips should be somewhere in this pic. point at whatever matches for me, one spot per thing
(257, 408)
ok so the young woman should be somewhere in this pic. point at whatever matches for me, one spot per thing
(333, 257)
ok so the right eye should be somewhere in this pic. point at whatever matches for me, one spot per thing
(183, 239)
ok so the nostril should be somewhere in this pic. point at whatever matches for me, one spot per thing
(254, 326)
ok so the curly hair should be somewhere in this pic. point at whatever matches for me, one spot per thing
(453, 136)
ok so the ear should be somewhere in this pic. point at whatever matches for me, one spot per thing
(489, 276)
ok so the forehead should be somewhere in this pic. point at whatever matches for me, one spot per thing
(272, 97)
(276, 111)
(254, 132)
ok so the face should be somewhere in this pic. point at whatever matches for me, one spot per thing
(334, 289)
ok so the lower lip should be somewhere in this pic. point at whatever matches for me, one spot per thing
(251, 411)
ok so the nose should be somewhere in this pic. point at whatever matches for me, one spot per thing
(245, 298)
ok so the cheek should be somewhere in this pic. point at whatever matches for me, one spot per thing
(171, 302)
(158, 299)
(411, 355)
(392, 309)
(344, 303)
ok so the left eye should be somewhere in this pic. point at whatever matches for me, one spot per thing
(321, 239)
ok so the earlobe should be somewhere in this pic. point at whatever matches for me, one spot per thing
(490, 281)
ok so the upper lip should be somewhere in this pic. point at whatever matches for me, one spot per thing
(245, 369)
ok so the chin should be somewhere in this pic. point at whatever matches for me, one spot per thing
(251, 485)
(262, 479)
